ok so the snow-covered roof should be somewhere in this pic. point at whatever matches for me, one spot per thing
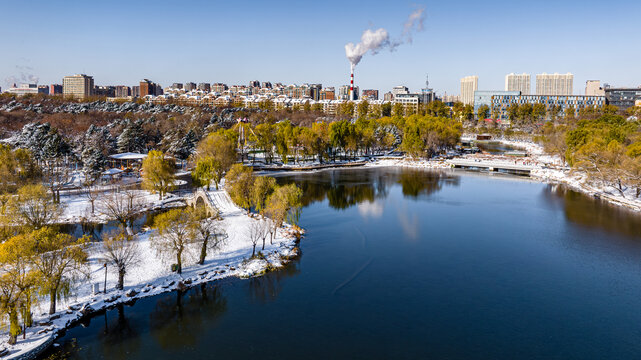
(112, 172)
(128, 156)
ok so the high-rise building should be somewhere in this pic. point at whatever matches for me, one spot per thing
(148, 87)
(135, 91)
(123, 91)
(266, 85)
(219, 88)
(204, 87)
(190, 86)
(328, 93)
(369, 94)
(106, 91)
(388, 96)
(177, 86)
(518, 82)
(55, 89)
(78, 86)
(554, 84)
(254, 83)
(593, 88)
(314, 91)
(398, 90)
(469, 85)
(344, 90)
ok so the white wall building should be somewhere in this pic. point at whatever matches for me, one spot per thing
(469, 85)
(554, 84)
(518, 82)
(593, 88)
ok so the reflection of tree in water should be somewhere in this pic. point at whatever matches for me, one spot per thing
(417, 183)
(266, 288)
(595, 213)
(178, 321)
(346, 188)
(119, 338)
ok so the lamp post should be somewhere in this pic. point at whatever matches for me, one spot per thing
(105, 266)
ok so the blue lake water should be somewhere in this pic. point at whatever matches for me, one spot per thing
(408, 264)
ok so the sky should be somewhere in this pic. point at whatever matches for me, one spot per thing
(294, 42)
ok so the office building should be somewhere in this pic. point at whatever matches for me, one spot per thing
(593, 88)
(315, 90)
(482, 97)
(79, 86)
(501, 103)
(469, 85)
(622, 98)
(28, 89)
(518, 82)
(106, 91)
(400, 89)
(554, 84)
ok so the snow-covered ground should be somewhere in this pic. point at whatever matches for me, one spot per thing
(153, 276)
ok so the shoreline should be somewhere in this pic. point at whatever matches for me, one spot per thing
(233, 261)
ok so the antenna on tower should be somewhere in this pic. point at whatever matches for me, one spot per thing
(427, 81)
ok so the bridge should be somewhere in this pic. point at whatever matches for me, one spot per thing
(202, 198)
(497, 166)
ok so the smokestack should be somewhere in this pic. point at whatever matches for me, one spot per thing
(351, 84)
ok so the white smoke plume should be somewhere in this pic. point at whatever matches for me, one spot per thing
(26, 76)
(377, 40)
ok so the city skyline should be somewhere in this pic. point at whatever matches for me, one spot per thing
(185, 44)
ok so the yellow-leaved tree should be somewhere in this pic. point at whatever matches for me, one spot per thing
(158, 173)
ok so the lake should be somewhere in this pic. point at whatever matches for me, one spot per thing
(408, 264)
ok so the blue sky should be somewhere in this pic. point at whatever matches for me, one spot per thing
(120, 42)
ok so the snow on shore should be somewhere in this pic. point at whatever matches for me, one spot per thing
(153, 276)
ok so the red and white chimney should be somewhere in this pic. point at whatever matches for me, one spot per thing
(351, 84)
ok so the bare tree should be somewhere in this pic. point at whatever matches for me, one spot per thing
(255, 231)
(122, 254)
(91, 193)
(121, 206)
(208, 232)
(265, 230)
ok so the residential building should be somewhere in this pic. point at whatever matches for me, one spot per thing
(482, 97)
(55, 89)
(254, 83)
(622, 98)
(343, 92)
(409, 101)
(400, 89)
(135, 91)
(204, 87)
(593, 88)
(554, 84)
(123, 91)
(369, 95)
(218, 88)
(78, 86)
(501, 103)
(266, 85)
(388, 96)
(148, 87)
(107, 91)
(177, 86)
(328, 93)
(190, 86)
(518, 82)
(315, 90)
(469, 85)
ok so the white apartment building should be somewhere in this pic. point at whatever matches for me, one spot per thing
(593, 88)
(518, 82)
(78, 86)
(554, 84)
(469, 85)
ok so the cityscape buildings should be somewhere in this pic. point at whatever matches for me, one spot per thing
(554, 84)
(469, 85)
(623, 98)
(593, 88)
(78, 86)
(518, 82)
(553, 103)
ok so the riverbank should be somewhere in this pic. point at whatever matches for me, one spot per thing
(153, 276)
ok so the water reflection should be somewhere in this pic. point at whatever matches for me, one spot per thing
(96, 230)
(264, 289)
(177, 322)
(119, 336)
(594, 213)
(346, 188)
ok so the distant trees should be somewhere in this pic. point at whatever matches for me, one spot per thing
(158, 173)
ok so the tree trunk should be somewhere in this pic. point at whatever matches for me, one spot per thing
(52, 303)
(179, 269)
(14, 327)
(263, 243)
(121, 279)
(254, 251)
(203, 252)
